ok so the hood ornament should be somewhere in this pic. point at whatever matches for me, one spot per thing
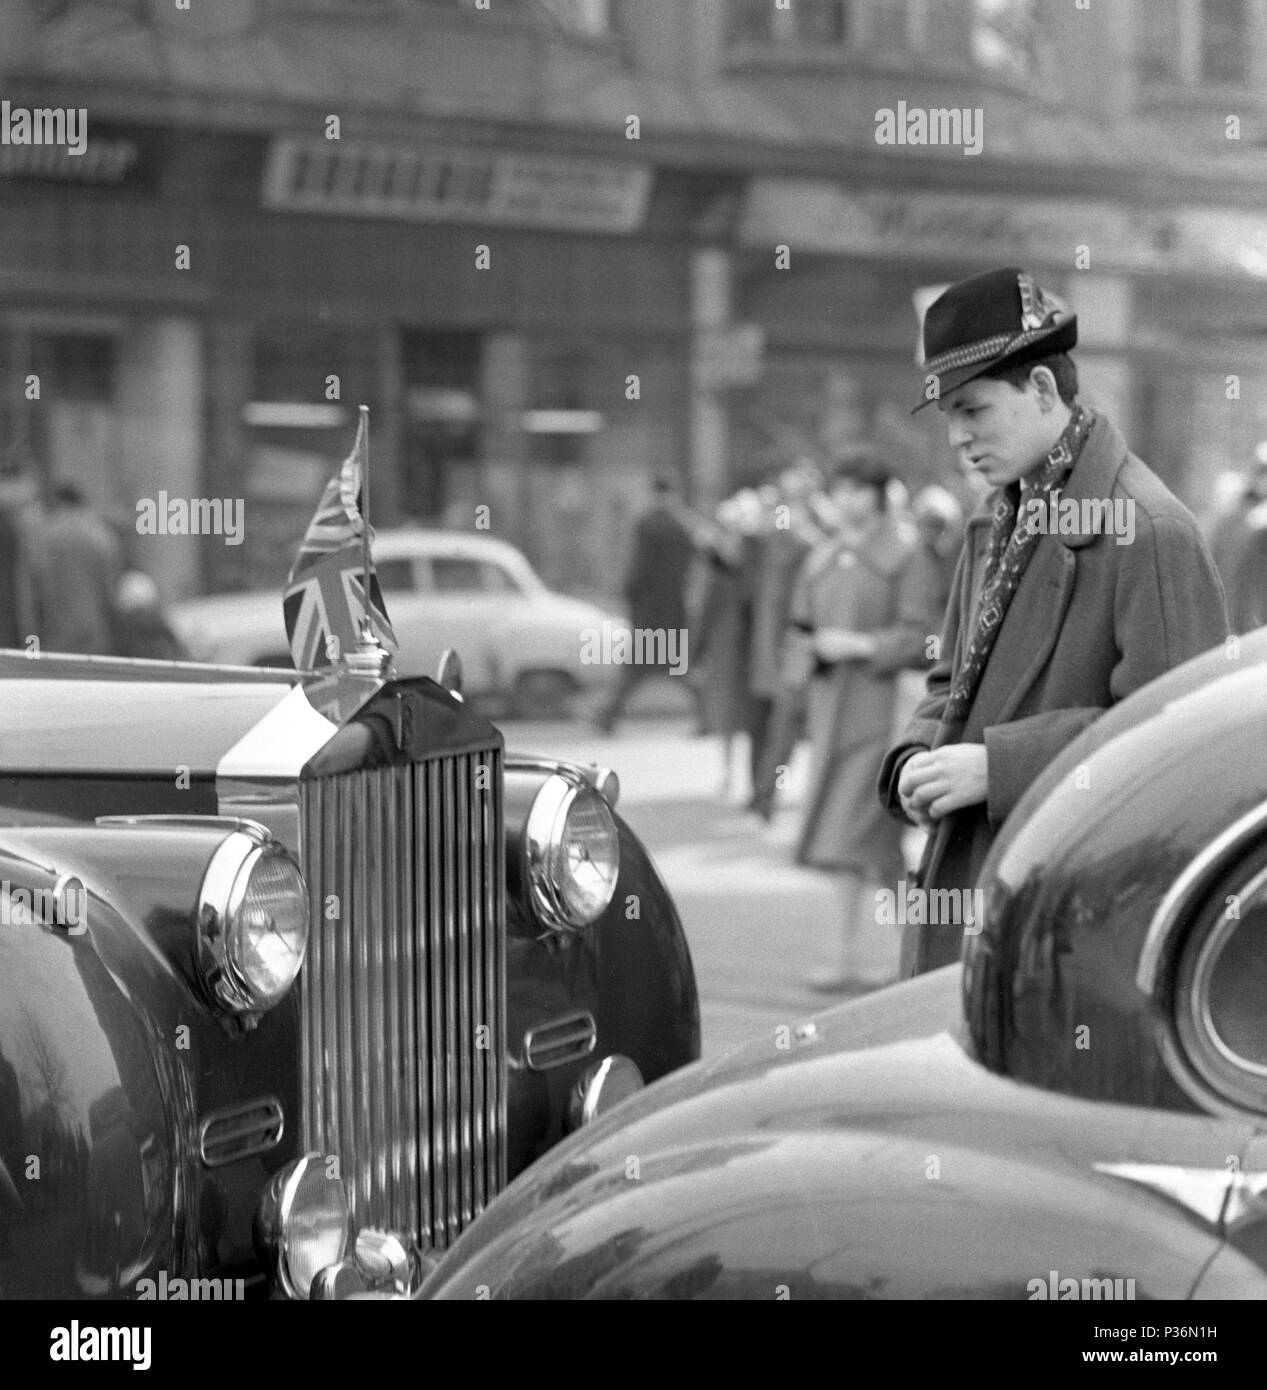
(369, 657)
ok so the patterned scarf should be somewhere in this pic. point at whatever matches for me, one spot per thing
(1012, 543)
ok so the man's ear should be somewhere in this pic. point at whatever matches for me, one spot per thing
(1044, 382)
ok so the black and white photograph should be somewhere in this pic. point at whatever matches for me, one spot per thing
(633, 661)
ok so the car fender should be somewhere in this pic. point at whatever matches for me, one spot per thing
(96, 1116)
(888, 1172)
(630, 973)
(109, 1058)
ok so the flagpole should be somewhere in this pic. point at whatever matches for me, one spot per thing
(364, 430)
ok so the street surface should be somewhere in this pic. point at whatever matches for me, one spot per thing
(753, 918)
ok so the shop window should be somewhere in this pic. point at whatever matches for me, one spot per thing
(804, 24)
(443, 420)
(557, 421)
(79, 367)
(1188, 42)
(1160, 41)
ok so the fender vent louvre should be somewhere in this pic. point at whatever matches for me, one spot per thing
(239, 1131)
(560, 1041)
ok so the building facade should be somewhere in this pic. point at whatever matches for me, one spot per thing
(560, 246)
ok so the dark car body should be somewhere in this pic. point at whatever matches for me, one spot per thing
(1078, 1110)
(139, 1124)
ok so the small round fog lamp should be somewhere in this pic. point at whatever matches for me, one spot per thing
(302, 1224)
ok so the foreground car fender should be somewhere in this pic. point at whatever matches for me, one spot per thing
(839, 1175)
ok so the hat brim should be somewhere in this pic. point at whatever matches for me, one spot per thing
(1059, 338)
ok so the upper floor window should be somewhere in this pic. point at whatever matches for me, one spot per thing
(1000, 35)
(582, 16)
(802, 22)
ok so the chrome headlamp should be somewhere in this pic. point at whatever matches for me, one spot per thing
(252, 923)
(572, 849)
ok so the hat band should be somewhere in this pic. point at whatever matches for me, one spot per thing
(997, 346)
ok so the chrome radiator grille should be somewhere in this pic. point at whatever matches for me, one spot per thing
(403, 991)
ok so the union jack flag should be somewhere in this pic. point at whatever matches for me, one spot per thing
(325, 592)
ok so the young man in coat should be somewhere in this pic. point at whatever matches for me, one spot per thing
(1081, 579)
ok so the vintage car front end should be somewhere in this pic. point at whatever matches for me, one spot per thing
(468, 983)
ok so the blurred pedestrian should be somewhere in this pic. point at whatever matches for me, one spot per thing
(655, 589)
(19, 516)
(79, 572)
(141, 627)
(1048, 626)
(939, 520)
(12, 631)
(1238, 542)
(858, 602)
(722, 634)
(779, 671)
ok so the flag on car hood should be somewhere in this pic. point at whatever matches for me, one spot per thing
(325, 592)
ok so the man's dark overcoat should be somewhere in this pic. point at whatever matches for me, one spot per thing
(1090, 622)
(655, 581)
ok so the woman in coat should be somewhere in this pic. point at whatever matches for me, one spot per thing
(722, 633)
(862, 600)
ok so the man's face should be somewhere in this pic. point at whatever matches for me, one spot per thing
(1001, 433)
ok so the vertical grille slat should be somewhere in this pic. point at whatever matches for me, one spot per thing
(421, 994)
(398, 983)
(452, 1018)
(344, 1061)
(436, 1048)
(466, 1020)
(495, 974)
(379, 989)
(363, 982)
(312, 1054)
(480, 1017)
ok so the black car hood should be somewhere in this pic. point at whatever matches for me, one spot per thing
(90, 715)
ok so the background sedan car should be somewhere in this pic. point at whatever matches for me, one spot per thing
(1079, 1110)
(520, 642)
